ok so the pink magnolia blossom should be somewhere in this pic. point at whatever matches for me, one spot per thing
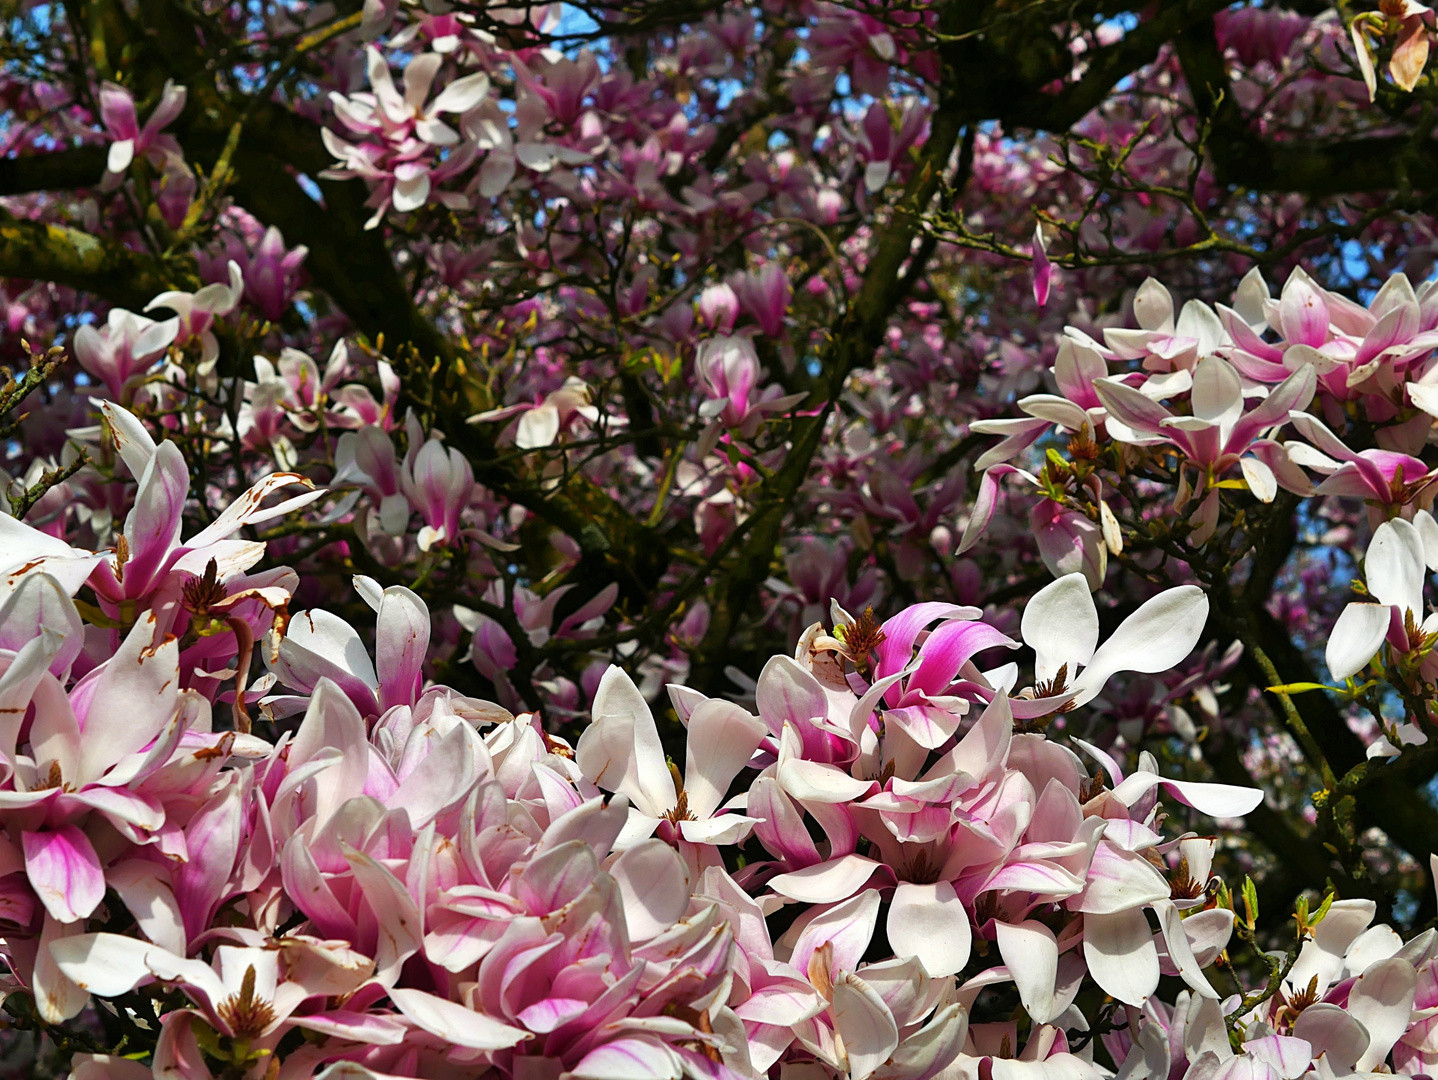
(439, 483)
(128, 139)
(126, 346)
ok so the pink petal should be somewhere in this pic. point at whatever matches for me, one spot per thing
(65, 872)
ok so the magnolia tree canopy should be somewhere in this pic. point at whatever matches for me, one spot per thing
(859, 540)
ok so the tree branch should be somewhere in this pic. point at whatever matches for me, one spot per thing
(40, 252)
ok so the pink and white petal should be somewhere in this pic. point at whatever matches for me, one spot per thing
(903, 629)
(152, 529)
(331, 723)
(629, 1059)
(105, 964)
(248, 509)
(985, 748)
(848, 927)
(722, 738)
(1118, 880)
(401, 638)
(1031, 954)
(720, 831)
(135, 695)
(947, 649)
(1170, 921)
(1382, 1001)
(985, 503)
(371, 1029)
(37, 604)
(442, 779)
(929, 922)
(64, 871)
(1131, 408)
(785, 692)
(654, 887)
(454, 1023)
(817, 782)
(1329, 1030)
(57, 997)
(145, 889)
(827, 882)
(1289, 1057)
(401, 923)
(546, 1015)
(1208, 933)
(620, 749)
(925, 1053)
(177, 1054)
(127, 810)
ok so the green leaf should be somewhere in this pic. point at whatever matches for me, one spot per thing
(1300, 688)
(1322, 908)
(1250, 902)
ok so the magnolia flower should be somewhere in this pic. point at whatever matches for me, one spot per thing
(728, 368)
(438, 482)
(1220, 433)
(1162, 343)
(319, 645)
(540, 424)
(620, 751)
(1387, 479)
(197, 312)
(271, 272)
(117, 110)
(127, 345)
(765, 295)
(1394, 570)
(1060, 624)
(403, 134)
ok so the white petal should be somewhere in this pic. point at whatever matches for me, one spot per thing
(1215, 800)
(1031, 954)
(1156, 637)
(868, 1028)
(1330, 1030)
(106, 964)
(1356, 638)
(827, 882)
(120, 156)
(620, 750)
(722, 738)
(929, 921)
(1060, 624)
(453, 1022)
(1394, 568)
(1121, 955)
(654, 887)
(1170, 921)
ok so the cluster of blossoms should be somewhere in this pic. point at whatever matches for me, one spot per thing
(471, 400)
(413, 882)
(411, 879)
